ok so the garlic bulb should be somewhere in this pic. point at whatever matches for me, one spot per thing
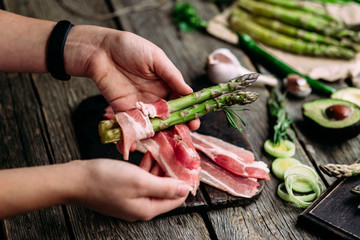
(297, 85)
(222, 66)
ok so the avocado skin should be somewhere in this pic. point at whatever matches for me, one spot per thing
(338, 133)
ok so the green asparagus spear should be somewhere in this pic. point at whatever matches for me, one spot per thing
(299, 19)
(241, 23)
(302, 34)
(211, 92)
(295, 4)
(341, 170)
(184, 115)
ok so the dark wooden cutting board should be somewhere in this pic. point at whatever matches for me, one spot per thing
(90, 112)
(335, 214)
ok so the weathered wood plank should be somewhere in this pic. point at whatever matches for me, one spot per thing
(185, 226)
(267, 217)
(23, 145)
(58, 100)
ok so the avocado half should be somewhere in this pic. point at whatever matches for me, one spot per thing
(334, 117)
(350, 94)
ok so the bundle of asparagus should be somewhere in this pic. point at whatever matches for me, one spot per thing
(195, 105)
(295, 27)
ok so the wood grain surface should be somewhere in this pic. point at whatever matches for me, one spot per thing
(36, 128)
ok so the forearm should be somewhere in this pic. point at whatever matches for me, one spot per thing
(23, 43)
(27, 189)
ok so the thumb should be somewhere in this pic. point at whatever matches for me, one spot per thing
(168, 72)
(165, 187)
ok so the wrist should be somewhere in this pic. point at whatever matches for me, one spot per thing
(55, 50)
(72, 187)
(82, 43)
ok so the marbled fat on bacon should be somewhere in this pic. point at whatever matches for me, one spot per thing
(220, 178)
(159, 109)
(135, 126)
(231, 157)
(175, 154)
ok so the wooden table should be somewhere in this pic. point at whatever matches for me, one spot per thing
(36, 128)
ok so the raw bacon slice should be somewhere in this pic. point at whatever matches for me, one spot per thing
(174, 152)
(231, 157)
(231, 150)
(159, 109)
(222, 179)
(135, 126)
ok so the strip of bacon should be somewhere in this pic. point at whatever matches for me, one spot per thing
(159, 109)
(175, 154)
(135, 126)
(222, 179)
(231, 157)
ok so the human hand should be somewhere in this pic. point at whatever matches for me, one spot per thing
(123, 190)
(125, 67)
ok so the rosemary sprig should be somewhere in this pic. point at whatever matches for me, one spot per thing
(277, 108)
(232, 116)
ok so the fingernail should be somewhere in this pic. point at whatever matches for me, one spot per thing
(183, 190)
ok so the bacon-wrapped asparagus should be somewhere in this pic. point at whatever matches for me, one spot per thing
(110, 132)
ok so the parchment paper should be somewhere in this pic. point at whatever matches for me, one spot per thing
(317, 68)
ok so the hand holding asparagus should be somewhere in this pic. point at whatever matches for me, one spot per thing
(192, 106)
